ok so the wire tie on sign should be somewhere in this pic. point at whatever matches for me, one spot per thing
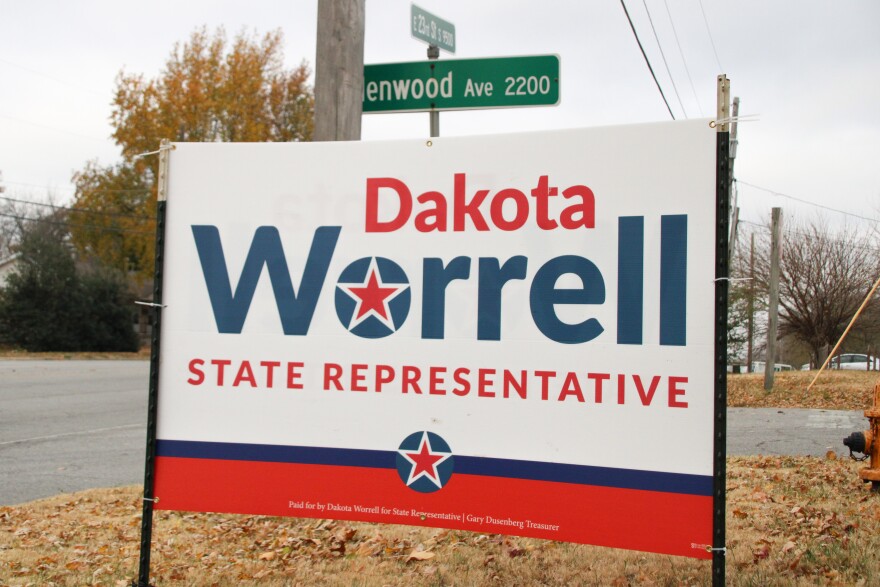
(733, 119)
(150, 304)
(153, 499)
(722, 550)
(156, 152)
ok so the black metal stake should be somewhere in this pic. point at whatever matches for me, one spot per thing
(722, 273)
(150, 463)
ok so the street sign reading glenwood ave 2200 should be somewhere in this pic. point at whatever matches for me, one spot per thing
(458, 84)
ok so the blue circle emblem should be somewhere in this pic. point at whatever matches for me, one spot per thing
(372, 297)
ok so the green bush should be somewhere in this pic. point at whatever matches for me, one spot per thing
(50, 305)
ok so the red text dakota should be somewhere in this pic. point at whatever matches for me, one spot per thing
(390, 205)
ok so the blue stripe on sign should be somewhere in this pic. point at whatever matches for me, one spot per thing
(380, 459)
(673, 280)
(273, 453)
(630, 278)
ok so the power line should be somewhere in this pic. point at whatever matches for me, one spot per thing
(809, 203)
(807, 235)
(683, 60)
(52, 128)
(54, 79)
(119, 191)
(647, 61)
(75, 225)
(663, 56)
(711, 40)
(34, 185)
(77, 210)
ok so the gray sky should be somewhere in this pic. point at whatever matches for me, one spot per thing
(807, 70)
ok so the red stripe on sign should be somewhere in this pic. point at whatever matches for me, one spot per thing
(650, 521)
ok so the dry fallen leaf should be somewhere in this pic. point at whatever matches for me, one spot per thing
(268, 556)
(759, 495)
(420, 555)
(512, 549)
(761, 552)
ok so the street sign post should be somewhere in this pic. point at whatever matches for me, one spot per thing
(432, 29)
(462, 84)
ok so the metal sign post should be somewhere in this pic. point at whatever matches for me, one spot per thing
(722, 257)
(434, 115)
(149, 498)
(439, 34)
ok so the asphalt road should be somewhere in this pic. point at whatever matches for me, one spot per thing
(71, 425)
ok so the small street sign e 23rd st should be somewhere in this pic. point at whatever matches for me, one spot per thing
(432, 29)
(462, 84)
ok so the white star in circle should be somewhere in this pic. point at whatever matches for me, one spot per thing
(372, 297)
(424, 462)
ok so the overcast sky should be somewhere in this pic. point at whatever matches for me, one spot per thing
(807, 70)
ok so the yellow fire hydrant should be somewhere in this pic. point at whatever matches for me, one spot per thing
(868, 443)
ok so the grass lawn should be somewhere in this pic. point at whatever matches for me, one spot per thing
(834, 390)
(790, 521)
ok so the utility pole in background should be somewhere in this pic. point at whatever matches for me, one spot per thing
(751, 306)
(339, 70)
(773, 309)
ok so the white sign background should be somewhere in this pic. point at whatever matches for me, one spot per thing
(640, 170)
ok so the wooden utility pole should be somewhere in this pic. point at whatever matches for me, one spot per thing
(773, 309)
(751, 307)
(339, 70)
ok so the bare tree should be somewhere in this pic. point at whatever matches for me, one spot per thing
(825, 276)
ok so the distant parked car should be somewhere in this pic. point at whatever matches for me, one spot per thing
(855, 362)
(761, 366)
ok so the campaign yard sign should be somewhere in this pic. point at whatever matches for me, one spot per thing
(508, 334)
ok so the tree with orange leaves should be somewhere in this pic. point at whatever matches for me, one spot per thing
(209, 91)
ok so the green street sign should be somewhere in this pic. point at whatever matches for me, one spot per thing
(462, 84)
(432, 29)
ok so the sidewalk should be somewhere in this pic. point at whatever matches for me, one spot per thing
(790, 431)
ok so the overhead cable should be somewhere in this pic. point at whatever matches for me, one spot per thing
(647, 61)
(107, 191)
(663, 56)
(74, 224)
(76, 210)
(711, 40)
(809, 203)
(52, 128)
(53, 78)
(683, 60)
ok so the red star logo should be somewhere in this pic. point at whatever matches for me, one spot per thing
(372, 297)
(425, 462)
